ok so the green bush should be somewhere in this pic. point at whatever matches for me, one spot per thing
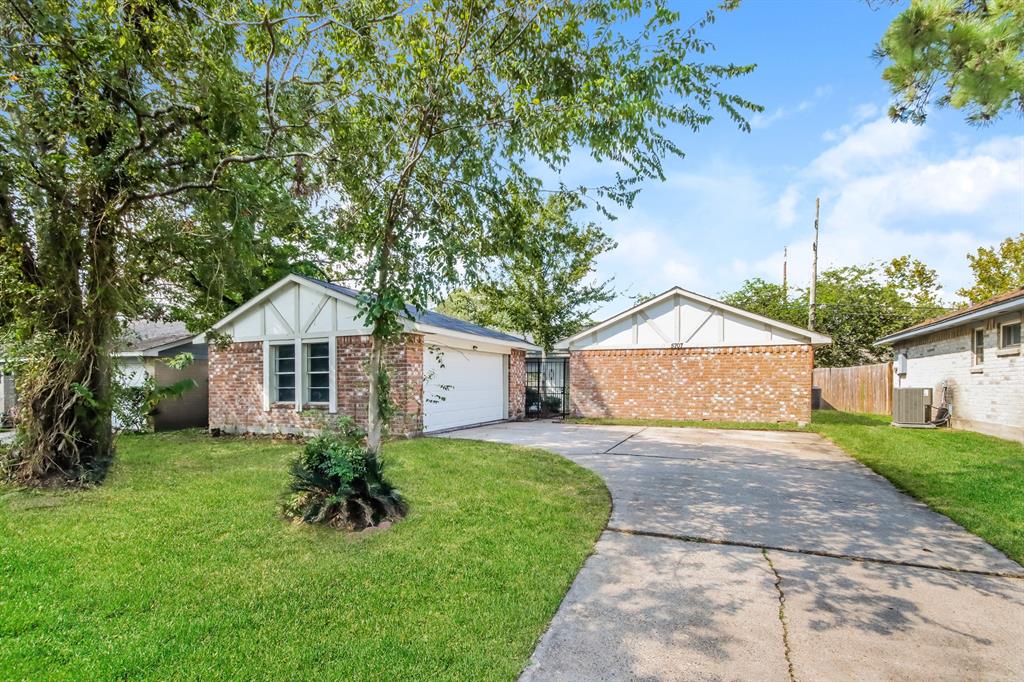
(552, 403)
(338, 482)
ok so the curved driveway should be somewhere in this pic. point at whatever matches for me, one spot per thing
(748, 555)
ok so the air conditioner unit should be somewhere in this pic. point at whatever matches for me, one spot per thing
(911, 406)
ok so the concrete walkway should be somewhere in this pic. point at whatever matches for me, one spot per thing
(741, 555)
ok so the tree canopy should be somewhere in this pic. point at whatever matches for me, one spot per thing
(545, 285)
(445, 111)
(146, 164)
(856, 305)
(968, 54)
(996, 269)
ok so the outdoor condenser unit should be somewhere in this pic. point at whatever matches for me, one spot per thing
(911, 406)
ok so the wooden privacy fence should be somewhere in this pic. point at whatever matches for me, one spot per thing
(865, 388)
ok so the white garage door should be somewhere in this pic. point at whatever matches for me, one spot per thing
(462, 387)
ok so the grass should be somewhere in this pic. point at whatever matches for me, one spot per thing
(753, 426)
(976, 480)
(179, 567)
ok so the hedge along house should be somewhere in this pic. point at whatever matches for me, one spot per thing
(975, 353)
(298, 356)
(684, 356)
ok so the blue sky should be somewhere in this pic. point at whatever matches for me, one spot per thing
(728, 209)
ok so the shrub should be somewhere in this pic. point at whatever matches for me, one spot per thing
(552, 403)
(532, 400)
(338, 482)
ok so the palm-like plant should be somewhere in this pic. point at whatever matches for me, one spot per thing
(338, 482)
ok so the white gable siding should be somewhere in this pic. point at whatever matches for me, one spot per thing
(297, 311)
(677, 321)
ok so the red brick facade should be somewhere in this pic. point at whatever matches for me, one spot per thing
(236, 388)
(517, 384)
(751, 383)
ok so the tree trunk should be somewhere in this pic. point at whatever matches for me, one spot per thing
(66, 386)
(374, 422)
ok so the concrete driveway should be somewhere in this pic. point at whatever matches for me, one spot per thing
(742, 555)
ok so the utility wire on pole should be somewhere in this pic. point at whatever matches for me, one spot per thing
(812, 304)
(785, 280)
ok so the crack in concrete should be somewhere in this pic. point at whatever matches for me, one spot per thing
(813, 552)
(786, 650)
(608, 451)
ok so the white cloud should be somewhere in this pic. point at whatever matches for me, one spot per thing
(886, 193)
(785, 207)
(886, 189)
(867, 147)
(762, 120)
(861, 113)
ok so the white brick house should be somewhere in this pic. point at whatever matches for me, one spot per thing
(976, 353)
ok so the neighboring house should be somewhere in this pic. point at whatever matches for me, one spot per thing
(688, 357)
(975, 353)
(8, 398)
(298, 357)
(143, 345)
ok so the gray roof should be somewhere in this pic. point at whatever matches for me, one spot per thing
(431, 317)
(143, 335)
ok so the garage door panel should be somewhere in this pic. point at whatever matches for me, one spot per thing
(462, 387)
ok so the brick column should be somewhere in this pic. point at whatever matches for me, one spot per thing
(517, 384)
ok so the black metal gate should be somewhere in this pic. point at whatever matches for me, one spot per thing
(547, 387)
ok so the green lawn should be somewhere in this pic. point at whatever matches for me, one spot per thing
(677, 423)
(179, 567)
(976, 480)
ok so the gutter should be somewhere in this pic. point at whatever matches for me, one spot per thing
(956, 321)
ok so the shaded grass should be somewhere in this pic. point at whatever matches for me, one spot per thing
(179, 567)
(976, 480)
(676, 423)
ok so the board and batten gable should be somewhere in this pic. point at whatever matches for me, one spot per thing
(295, 310)
(681, 319)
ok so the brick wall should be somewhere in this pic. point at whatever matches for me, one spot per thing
(750, 383)
(405, 362)
(989, 398)
(517, 384)
(236, 388)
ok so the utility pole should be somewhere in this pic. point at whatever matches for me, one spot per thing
(785, 280)
(813, 303)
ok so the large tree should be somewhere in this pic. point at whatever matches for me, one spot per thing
(968, 54)
(129, 136)
(448, 109)
(996, 269)
(856, 305)
(544, 284)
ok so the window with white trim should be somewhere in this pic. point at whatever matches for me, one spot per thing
(317, 372)
(978, 346)
(283, 357)
(1009, 335)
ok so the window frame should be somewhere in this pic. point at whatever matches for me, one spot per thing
(307, 386)
(975, 348)
(275, 387)
(1013, 346)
